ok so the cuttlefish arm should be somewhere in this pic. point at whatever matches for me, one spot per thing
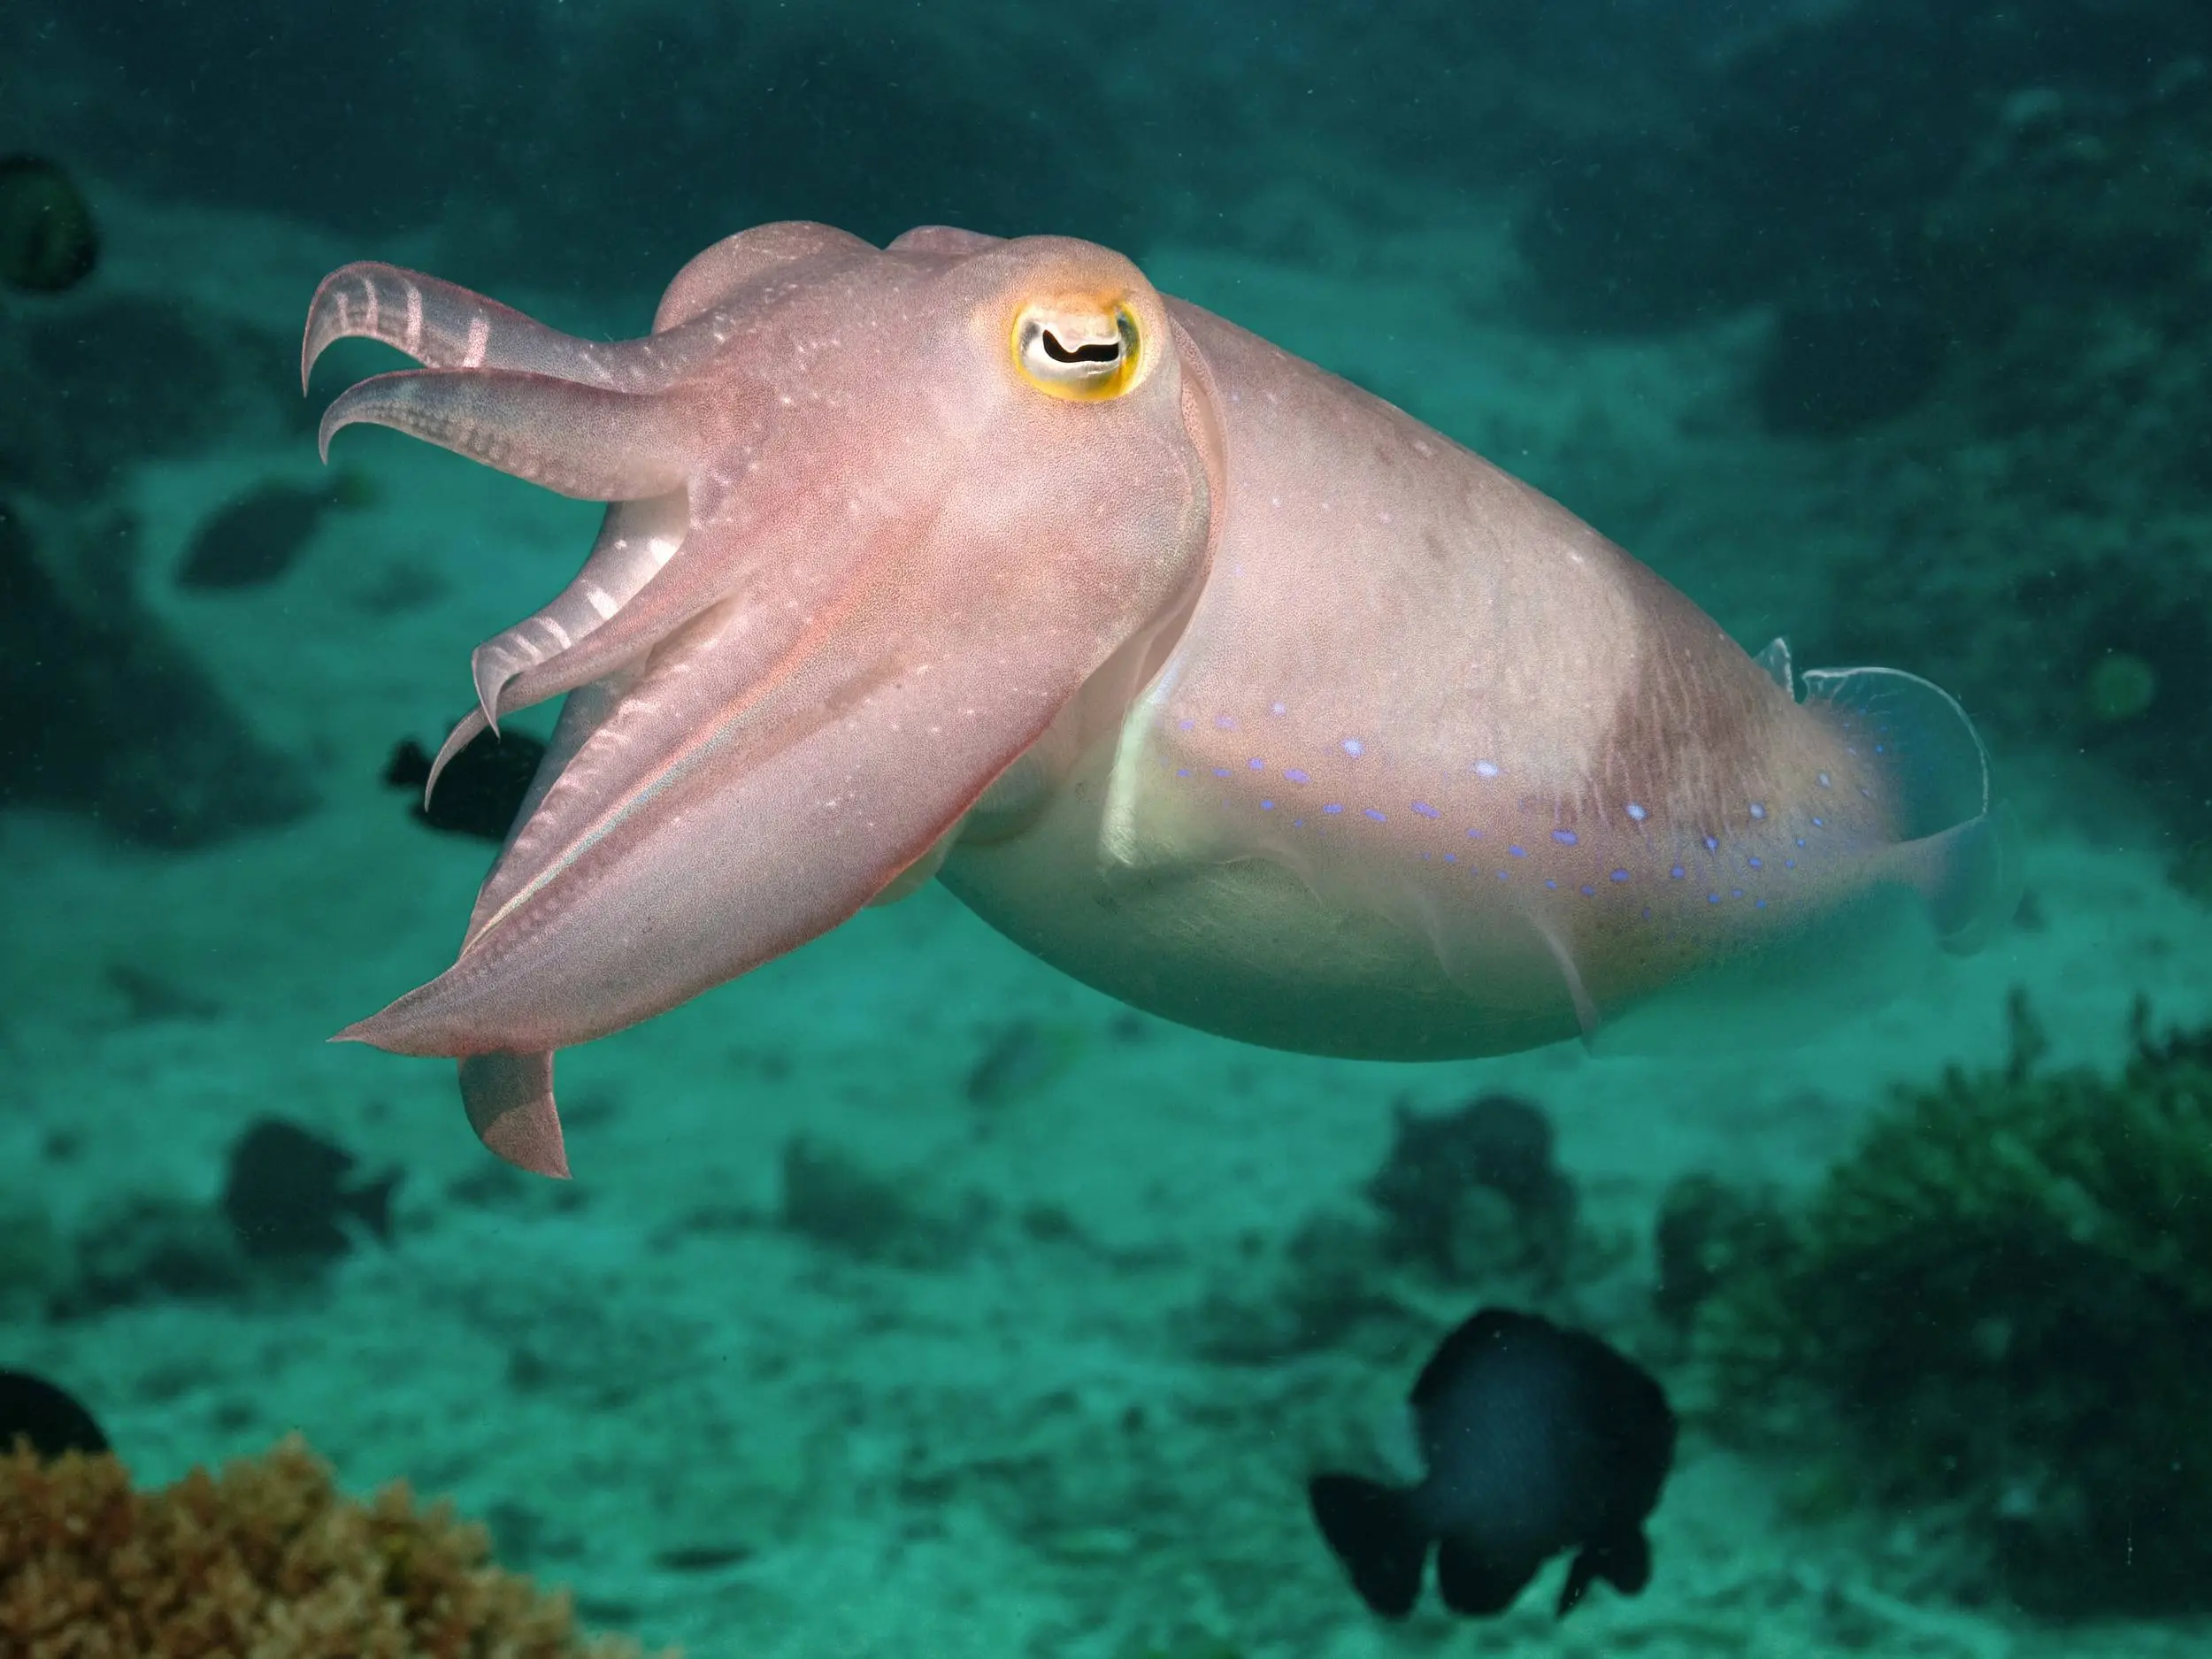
(925, 495)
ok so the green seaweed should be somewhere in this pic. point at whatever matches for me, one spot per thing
(1999, 1310)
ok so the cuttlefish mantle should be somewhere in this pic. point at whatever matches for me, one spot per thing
(1215, 682)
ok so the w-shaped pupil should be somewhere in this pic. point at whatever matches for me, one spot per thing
(1059, 353)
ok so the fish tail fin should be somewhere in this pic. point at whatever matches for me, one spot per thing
(1972, 876)
(371, 1205)
(1625, 1562)
(1373, 1531)
(1960, 847)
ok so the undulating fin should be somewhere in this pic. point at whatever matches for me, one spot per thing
(1963, 855)
(583, 442)
(1578, 991)
(1775, 660)
(919, 874)
(1916, 735)
(510, 1101)
(1372, 1530)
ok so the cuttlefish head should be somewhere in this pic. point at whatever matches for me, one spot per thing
(879, 515)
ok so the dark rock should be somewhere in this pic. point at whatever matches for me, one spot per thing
(48, 242)
(101, 713)
(1432, 1187)
(145, 1249)
(116, 380)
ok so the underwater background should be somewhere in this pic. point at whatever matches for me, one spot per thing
(910, 1298)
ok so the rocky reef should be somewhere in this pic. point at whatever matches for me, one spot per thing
(1996, 1314)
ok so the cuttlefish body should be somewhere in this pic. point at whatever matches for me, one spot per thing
(1207, 676)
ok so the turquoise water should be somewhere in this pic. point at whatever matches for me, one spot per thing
(911, 1296)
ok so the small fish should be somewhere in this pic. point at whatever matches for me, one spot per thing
(34, 1410)
(47, 239)
(286, 1190)
(254, 538)
(1535, 1439)
(479, 792)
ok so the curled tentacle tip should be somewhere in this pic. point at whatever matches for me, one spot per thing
(490, 681)
(459, 738)
(335, 420)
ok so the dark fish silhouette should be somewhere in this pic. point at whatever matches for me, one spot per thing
(34, 1410)
(481, 788)
(47, 238)
(287, 1191)
(1536, 1439)
(255, 538)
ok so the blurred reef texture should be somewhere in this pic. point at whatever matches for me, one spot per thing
(1996, 1313)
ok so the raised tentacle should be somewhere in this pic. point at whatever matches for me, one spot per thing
(442, 326)
(464, 731)
(579, 441)
(636, 539)
(723, 830)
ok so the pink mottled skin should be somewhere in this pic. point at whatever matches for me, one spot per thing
(1206, 676)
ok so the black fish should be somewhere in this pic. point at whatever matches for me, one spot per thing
(1536, 1439)
(34, 1410)
(482, 790)
(286, 1190)
(47, 239)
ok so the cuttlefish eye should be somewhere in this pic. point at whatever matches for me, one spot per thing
(1078, 351)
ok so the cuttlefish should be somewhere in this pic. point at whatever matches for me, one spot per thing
(1205, 675)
